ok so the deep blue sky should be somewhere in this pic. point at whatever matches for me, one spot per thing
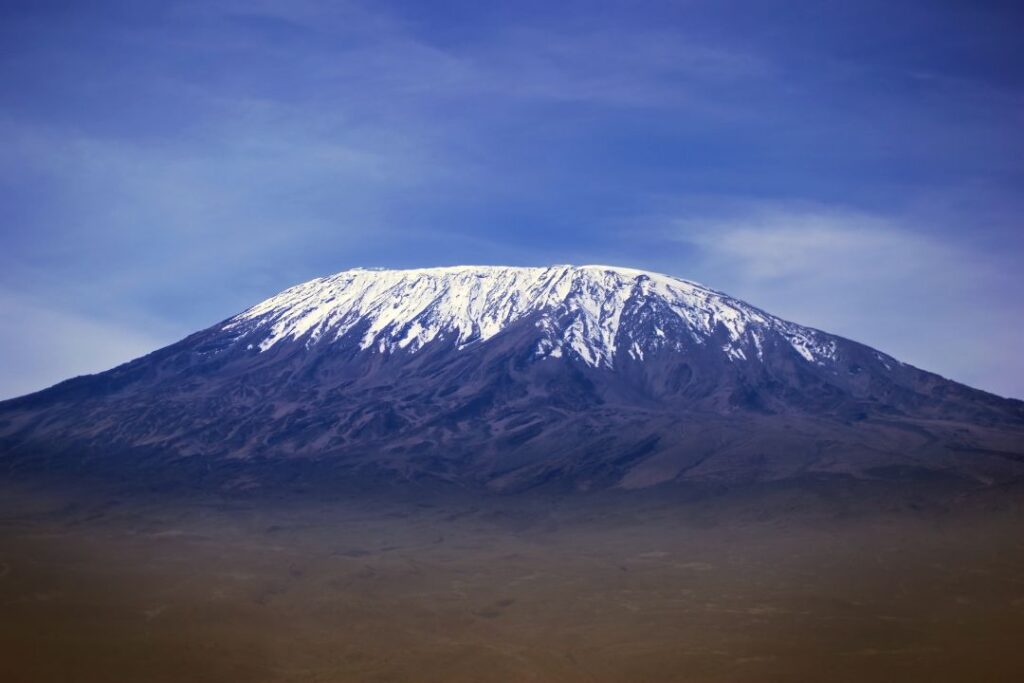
(855, 166)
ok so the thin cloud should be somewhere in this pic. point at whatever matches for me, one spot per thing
(177, 163)
(42, 345)
(941, 305)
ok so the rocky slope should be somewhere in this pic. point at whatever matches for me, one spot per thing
(510, 378)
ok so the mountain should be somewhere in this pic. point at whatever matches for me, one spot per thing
(509, 378)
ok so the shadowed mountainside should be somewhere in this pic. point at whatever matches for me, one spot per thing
(582, 378)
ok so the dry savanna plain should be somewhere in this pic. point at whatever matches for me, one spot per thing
(813, 581)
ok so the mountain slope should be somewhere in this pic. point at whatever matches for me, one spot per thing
(512, 377)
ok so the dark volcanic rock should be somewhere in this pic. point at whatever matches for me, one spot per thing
(512, 378)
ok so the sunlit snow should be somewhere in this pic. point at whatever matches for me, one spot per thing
(580, 309)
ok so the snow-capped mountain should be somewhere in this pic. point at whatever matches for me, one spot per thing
(579, 310)
(589, 376)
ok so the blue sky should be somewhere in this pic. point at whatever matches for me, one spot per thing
(857, 167)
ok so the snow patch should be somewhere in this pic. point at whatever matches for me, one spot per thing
(580, 310)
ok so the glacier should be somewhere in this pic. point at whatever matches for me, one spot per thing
(579, 309)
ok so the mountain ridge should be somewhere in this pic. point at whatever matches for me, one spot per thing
(520, 291)
(508, 378)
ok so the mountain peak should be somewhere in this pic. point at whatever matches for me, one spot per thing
(513, 377)
(594, 313)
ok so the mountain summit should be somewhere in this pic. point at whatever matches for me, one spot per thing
(588, 376)
(592, 313)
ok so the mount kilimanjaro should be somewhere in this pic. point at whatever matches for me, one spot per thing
(510, 378)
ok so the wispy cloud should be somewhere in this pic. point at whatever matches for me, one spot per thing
(42, 345)
(174, 163)
(938, 303)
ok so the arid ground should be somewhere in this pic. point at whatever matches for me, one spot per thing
(800, 583)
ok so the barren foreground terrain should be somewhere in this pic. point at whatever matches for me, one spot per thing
(803, 583)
